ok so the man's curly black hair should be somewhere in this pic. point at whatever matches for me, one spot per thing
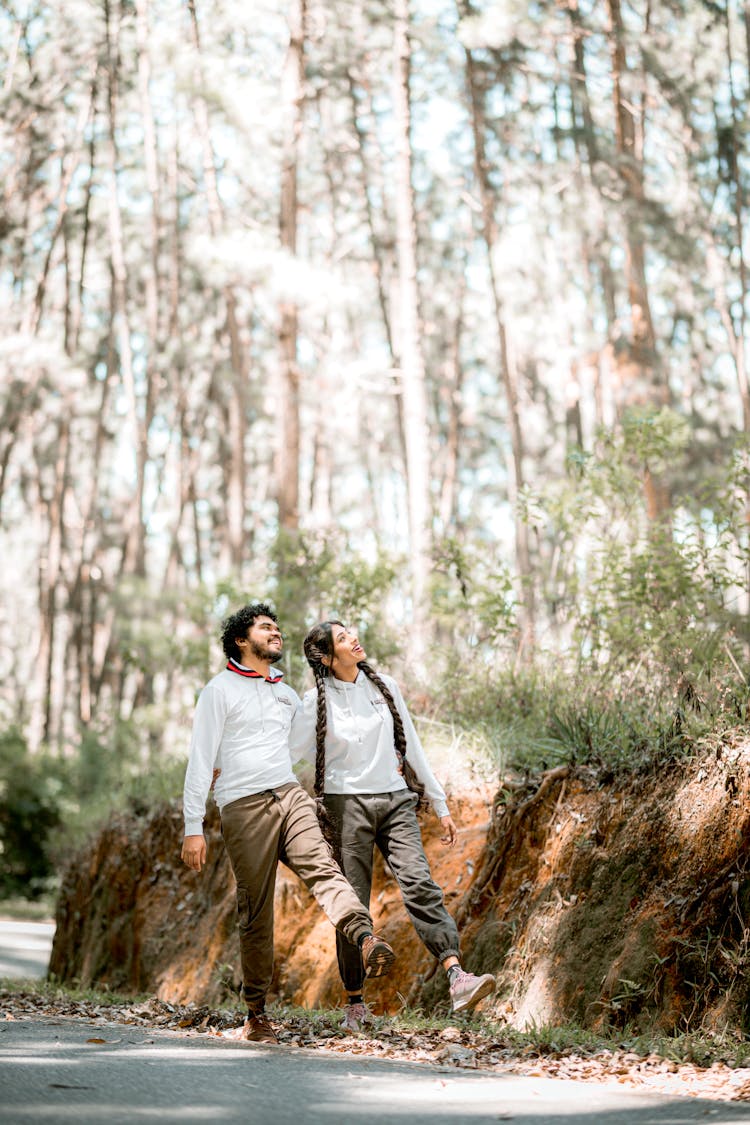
(238, 624)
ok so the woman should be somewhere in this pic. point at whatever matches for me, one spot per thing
(365, 749)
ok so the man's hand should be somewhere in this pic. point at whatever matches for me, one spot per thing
(215, 778)
(450, 832)
(194, 851)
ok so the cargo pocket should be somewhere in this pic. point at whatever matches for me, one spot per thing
(243, 909)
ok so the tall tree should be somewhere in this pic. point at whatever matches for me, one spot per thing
(640, 374)
(411, 358)
(288, 424)
(508, 364)
(232, 399)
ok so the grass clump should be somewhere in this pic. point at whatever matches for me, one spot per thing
(532, 719)
(17, 909)
(53, 993)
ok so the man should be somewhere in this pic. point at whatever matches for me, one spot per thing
(240, 736)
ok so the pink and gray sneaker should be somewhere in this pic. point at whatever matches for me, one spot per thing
(356, 1017)
(466, 990)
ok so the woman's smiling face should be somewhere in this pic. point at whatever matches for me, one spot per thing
(347, 651)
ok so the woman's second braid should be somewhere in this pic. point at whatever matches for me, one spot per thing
(399, 737)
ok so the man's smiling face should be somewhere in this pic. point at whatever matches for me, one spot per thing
(263, 641)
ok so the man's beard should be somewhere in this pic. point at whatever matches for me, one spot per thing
(271, 655)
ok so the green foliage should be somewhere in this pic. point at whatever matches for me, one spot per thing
(618, 733)
(507, 707)
(105, 759)
(644, 595)
(532, 718)
(472, 596)
(315, 577)
(640, 612)
(30, 795)
(109, 772)
(311, 577)
(160, 629)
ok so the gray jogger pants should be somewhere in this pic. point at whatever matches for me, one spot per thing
(388, 821)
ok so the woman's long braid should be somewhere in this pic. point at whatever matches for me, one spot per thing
(321, 728)
(315, 659)
(399, 737)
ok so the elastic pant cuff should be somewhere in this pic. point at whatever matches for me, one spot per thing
(355, 926)
(444, 954)
(355, 934)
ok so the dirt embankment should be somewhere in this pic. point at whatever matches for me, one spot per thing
(604, 904)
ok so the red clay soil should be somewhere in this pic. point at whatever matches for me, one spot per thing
(605, 904)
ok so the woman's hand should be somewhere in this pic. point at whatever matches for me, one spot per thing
(450, 832)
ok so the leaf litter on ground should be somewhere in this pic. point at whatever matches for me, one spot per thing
(471, 1043)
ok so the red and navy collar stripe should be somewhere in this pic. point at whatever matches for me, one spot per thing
(233, 666)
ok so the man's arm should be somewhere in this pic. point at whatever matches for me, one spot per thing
(208, 725)
(302, 733)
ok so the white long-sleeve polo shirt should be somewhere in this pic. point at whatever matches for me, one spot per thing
(360, 754)
(241, 726)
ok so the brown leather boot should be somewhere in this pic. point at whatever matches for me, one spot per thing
(257, 1029)
(377, 956)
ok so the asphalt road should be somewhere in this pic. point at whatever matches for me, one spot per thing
(25, 948)
(58, 1071)
(54, 1071)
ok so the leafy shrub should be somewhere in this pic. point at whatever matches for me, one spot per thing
(30, 788)
(645, 596)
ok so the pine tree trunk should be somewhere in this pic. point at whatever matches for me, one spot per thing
(134, 560)
(288, 425)
(640, 376)
(414, 396)
(82, 596)
(595, 247)
(639, 372)
(380, 265)
(453, 389)
(51, 510)
(151, 164)
(739, 355)
(525, 592)
(85, 224)
(232, 542)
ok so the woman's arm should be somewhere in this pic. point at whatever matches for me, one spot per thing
(433, 790)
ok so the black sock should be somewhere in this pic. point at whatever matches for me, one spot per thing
(253, 1012)
(453, 969)
(355, 999)
(361, 938)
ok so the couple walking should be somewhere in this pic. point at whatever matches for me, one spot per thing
(370, 775)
